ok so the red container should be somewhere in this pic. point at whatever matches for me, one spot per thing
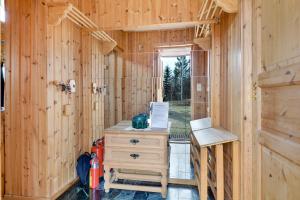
(98, 149)
(94, 172)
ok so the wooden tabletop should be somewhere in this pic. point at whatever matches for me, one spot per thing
(200, 124)
(213, 136)
(126, 127)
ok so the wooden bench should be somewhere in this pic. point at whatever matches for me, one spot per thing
(196, 125)
(209, 163)
(200, 124)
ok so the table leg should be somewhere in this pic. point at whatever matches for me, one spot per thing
(107, 176)
(203, 173)
(164, 183)
(235, 170)
(220, 171)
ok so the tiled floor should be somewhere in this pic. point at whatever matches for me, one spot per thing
(179, 168)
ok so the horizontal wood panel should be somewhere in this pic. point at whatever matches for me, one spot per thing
(200, 124)
(130, 14)
(143, 155)
(280, 110)
(213, 136)
(135, 141)
(280, 177)
(280, 31)
(281, 144)
(283, 75)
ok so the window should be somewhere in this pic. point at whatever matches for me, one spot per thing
(2, 11)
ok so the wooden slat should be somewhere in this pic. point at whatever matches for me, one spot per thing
(213, 188)
(136, 187)
(59, 12)
(280, 143)
(213, 136)
(203, 174)
(200, 124)
(183, 182)
(236, 170)
(139, 177)
(215, 78)
(283, 76)
(230, 6)
(220, 172)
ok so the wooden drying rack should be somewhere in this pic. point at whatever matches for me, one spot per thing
(59, 12)
(210, 11)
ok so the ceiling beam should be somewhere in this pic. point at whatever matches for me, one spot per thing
(204, 43)
(164, 26)
(229, 6)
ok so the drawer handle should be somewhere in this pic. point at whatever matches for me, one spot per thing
(134, 141)
(134, 155)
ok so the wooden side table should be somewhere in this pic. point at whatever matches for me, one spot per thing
(133, 154)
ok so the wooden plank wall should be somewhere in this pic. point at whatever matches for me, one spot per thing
(25, 131)
(113, 75)
(199, 76)
(278, 58)
(53, 127)
(141, 67)
(63, 130)
(74, 120)
(230, 73)
(130, 14)
(50, 127)
(93, 72)
(110, 82)
(119, 14)
(230, 83)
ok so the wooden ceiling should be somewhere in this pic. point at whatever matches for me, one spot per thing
(147, 15)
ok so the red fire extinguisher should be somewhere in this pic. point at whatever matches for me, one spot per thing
(98, 149)
(94, 172)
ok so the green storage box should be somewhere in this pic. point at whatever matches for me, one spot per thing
(140, 121)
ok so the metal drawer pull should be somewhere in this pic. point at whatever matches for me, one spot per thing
(134, 141)
(134, 156)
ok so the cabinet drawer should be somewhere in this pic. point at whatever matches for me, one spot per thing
(117, 140)
(135, 156)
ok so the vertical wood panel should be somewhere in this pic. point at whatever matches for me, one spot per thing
(227, 83)
(199, 75)
(25, 97)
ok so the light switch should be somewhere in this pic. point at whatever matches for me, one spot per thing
(199, 87)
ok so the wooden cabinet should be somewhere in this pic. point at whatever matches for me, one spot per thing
(136, 155)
